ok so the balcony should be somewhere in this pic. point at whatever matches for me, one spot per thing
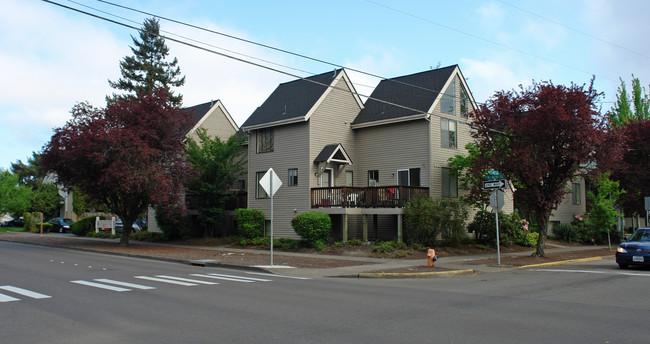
(365, 197)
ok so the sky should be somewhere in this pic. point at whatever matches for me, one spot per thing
(54, 57)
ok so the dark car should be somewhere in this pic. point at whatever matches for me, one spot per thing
(60, 224)
(635, 250)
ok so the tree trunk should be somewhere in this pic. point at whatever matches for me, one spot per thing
(126, 232)
(542, 222)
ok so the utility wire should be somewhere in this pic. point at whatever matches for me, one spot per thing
(575, 30)
(267, 46)
(249, 62)
(483, 39)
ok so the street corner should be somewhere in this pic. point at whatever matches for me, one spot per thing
(562, 262)
(432, 274)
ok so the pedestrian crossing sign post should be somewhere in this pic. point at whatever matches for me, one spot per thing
(270, 182)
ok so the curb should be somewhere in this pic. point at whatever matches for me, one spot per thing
(562, 262)
(415, 274)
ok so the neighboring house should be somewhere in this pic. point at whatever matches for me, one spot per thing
(216, 120)
(573, 204)
(351, 160)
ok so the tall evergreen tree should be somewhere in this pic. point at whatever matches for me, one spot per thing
(147, 69)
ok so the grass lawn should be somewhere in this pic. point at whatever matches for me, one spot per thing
(12, 229)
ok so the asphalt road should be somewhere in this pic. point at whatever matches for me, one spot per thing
(50, 295)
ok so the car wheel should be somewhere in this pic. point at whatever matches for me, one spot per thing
(622, 266)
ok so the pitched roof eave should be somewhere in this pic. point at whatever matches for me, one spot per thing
(329, 152)
(275, 124)
(391, 121)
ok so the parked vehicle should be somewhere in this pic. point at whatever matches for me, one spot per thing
(635, 250)
(13, 223)
(60, 224)
(119, 226)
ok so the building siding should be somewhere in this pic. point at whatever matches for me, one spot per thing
(393, 147)
(289, 152)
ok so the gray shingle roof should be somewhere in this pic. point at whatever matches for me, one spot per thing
(416, 91)
(334, 151)
(291, 100)
(197, 112)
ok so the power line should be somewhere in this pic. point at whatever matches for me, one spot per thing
(483, 39)
(575, 30)
(248, 62)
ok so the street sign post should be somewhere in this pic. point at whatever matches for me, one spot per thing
(496, 202)
(270, 182)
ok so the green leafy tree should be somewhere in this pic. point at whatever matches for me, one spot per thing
(603, 210)
(45, 199)
(30, 173)
(220, 164)
(630, 108)
(147, 69)
(82, 202)
(15, 198)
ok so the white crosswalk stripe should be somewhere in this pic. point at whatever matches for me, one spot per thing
(242, 277)
(7, 298)
(164, 280)
(124, 284)
(224, 278)
(189, 280)
(100, 285)
(25, 292)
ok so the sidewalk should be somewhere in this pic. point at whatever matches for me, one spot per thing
(299, 264)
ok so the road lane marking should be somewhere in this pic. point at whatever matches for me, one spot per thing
(187, 280)
(224, 278)
(7, 298)
(593, 272)
(273, 275)
(101, 286)
(166, 281)
(124, 284)
(25, 292)
(242, 277)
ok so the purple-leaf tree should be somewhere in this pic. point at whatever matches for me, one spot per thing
(129, 155)
(541, 137)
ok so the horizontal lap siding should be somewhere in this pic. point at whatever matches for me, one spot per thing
(393, 147)
(330, 124)
(217, 125)
(567, 210)
(289, 152)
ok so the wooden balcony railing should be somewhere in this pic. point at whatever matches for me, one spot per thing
(365, 197)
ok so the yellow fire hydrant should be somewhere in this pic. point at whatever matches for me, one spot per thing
(431, 257)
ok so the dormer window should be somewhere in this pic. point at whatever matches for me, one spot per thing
(464, 102)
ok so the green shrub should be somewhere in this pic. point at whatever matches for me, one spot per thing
(313, 226)
(567, 233)
(355, 242)
(29, 221)
(425, 218)
(147, 236)
(511, 228)
(530, 239)
(250, 222)
(286, 243)
(84, 226)
(419, 226)
(173, 224)
(102, 235)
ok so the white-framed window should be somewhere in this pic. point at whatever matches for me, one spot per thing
(349, 178)
(448, 129)
(259, 190)
(448, 100)
(464, 102)
(265, 140)
(293, 177)
(449, 183)
(373, 178)
(577, 193)
(408, 177)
